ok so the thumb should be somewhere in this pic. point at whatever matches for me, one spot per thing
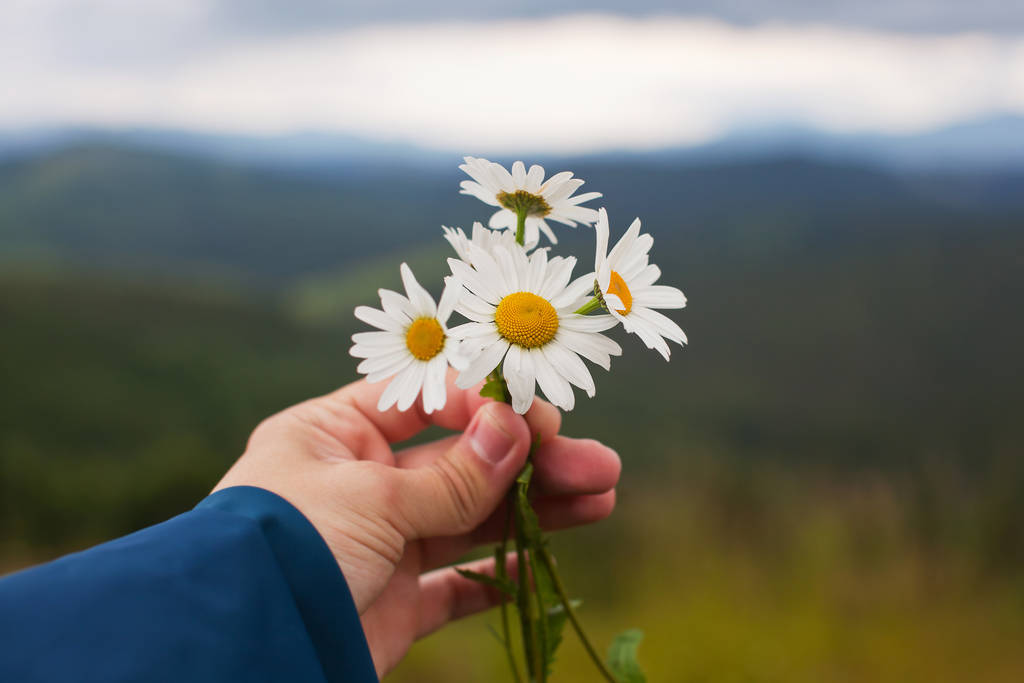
(459, 490)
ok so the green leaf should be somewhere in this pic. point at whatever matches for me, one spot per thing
(556, 618)
(495, 388)
(622, 657)
(503, 585)
(526, 516)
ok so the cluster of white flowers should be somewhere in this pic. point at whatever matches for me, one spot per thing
(527, 317)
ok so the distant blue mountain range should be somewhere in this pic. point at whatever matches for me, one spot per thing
(995, 143)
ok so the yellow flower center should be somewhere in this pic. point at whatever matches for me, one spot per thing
(521, 200)
(617, 286)
(424, 338)
(526, 319)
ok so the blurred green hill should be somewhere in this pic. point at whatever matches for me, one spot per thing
(845, 421)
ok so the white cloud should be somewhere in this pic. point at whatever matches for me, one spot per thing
(566, 84)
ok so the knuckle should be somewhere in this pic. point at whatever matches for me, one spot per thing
(460, 492)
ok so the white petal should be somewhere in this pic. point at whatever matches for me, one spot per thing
(601, 228)
(570, 366)
(477, 190)
(393, 391)
(422, 303)
(596, 348)
(536, 271)
(434, 384)
(558, 276)
(457, 238)
(503, 177)
(554, 183)
(506, 273)
(397, 306)
(555, 387)
(534, 179)
(378, 318)
(664, 325)
(559, 193)
(503, 219)
(384, 373)
(587, 323)
(480, 171)
(648, 335)
(460, 354)
(474, 281)
(531, 235)
(613, 302)
(471, 331)
(647, 276)
(476, 309)
(520, 374)
(585, 197)
(363, 351)
(482, 365)
(378, 339)
(450, 296)
(580, 288)
(519, 174)
(546, 229)
(633, 261)
(382, 361)
(412, 386)
(659, 296)
(624, 243)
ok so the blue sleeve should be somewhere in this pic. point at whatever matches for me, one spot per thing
(242, 588)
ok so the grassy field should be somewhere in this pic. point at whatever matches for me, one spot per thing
(743, 574)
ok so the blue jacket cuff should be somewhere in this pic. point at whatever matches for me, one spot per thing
(313, 575)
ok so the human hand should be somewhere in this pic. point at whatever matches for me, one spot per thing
(395, 520)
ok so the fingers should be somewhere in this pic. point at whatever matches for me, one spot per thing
(563, 466)
(458, 490)
(459, 409)
(566, 466)
(445, 595)
(554, 513)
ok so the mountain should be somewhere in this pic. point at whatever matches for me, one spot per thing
(990, 143)
(132, 209)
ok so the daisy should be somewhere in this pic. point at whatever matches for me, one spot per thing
(413, 345)
(521, 312)
(625, 283)
(528, 192)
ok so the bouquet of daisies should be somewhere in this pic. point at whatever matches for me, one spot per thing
(528, 323)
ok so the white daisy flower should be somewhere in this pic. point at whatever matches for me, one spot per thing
(625, 282)
(413, 345)
(521, 311)
(528, 191)
(482, 237)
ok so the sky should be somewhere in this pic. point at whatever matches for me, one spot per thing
(546, 76)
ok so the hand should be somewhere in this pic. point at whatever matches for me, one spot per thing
(393, 520)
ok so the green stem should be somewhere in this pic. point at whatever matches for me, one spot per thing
(591, 305)
(505, 632)
(531, 646)
(549, 564)
(542, 621)
(521, 227)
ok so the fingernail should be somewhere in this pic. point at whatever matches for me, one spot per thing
(489, 441)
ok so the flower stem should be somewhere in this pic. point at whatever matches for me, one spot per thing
(549, 564)
(521, 227)
(531, 645)
(505, 632)
(591, 305)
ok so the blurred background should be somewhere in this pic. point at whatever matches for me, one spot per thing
(827, 484)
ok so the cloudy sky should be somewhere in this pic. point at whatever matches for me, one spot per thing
(550, 76)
